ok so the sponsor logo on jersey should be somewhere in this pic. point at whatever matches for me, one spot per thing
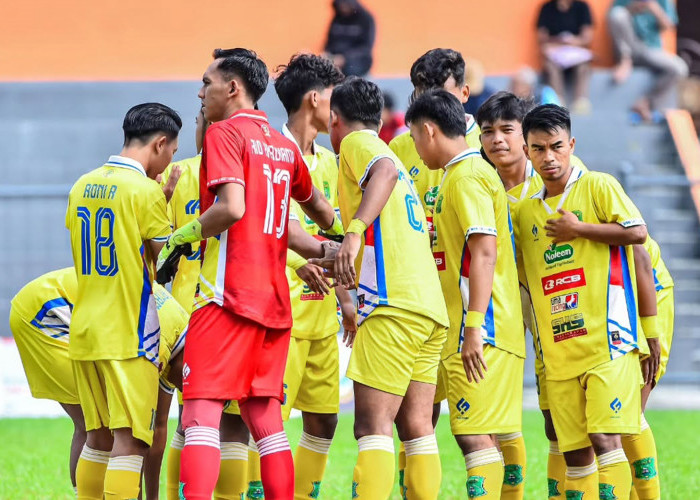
(568, 327)
(307, 294)
(431, 196)
(327, 189)
(578, 214)
(438, 205)
(615, 338)
(185, 371)
(361, 301)
(440, 260)
(556, 254)
(535, 231)
(562, 303)
(414, 171)
(616, 405)
(564, 280)
(462, 406)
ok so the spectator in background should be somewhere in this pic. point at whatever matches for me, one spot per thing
(479, 90)
(351, 38)
(393, 122)
(526, 85)
(564, 33)
(635, 27)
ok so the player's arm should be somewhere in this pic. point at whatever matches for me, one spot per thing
(321, 212)
(349, 313)
(378, 185)
(154, 456)
(646, 298)
(482, 248)
(568, 227)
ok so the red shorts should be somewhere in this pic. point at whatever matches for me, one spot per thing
(231, 357)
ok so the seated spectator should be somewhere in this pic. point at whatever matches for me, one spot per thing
(526, 84)
(635, 27)
(479, 90)
(393, 122)
(351, 38)
(565, 32)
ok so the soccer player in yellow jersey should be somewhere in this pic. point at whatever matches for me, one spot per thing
(484, 354)
(585, 306)
(40, 318)
(183, 208)
(311, 380)
(386, 255)
(436, 69)
(118, 223)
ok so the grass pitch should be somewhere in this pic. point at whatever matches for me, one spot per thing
(34, 458)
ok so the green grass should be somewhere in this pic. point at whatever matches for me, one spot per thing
(34, 458)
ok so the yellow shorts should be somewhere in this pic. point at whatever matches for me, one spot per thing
(492, 406)
(231, 407)
(311, 380)
(118, 394)
(605, 399)
(45, 360)
(541, 382)
(665, 310)
(393, 347)
(441, 387)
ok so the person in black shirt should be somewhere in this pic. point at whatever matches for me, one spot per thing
(564, 33)
(351, 38)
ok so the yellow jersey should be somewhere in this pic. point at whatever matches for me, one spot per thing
(427, 181)
(471, 200)
(583, 293)
(662, 278)
(314, 315)
(182, 209)
(111, 212)
(533, 182)
(395, 266)
(47, 303)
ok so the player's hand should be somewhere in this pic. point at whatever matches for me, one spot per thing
(564, 228)
(169, 187)
(344, 269)
(349, 323)
(650, 365)
(312, 275)
(330, 249)
(473, 355)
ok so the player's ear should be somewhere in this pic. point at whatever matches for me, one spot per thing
(465, 93)
(381, 124)
(527, 151)
(233, 87)
(313, 98)
(572, 144)
(159, 144)
(428, 129)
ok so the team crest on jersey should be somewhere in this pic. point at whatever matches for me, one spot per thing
(475, 487)
(265, 129)
(553, 487)
(606, 492)
(562, 303)
(438, 205)
(645, 468)
(354, 490)
(574, 495)
(327, 189)
(578, 214)
(431, 195)
(513, 474)
(315, 489)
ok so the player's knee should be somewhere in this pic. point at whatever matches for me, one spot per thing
(201, 412)
(579, 458)
(472, 443)
(263, 416)
(549, 429)
(605, 443)
(321, 425)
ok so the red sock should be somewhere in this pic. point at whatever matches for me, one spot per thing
(263, 417)
(201, 456)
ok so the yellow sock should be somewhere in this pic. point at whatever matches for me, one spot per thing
(233, 472)
(484, 474)
(172, 477)
(423, 468)
(582, 482)
(556, 472)
(255, 487)
(633, 493)
(123, 477)
(309, 465)
(614, 475)
(90, 474)
(402, 470)
(373, 477)
(513, 449)
(640, 450)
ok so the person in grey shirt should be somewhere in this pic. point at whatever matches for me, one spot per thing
(635, 27)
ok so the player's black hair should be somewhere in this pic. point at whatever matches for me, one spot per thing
(547, 117)
(503, 106)
(246, 65)
(435, 67)
(358, 100)
(303, 73)
(145, 120)
(441, 108)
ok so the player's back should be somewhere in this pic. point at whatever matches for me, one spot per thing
(395, 266)
(112, 211)
(243, 269)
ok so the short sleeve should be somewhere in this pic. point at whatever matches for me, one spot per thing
(473, 203)
(153, 215)
(585, 18)
(612, 204)
(542, 18)
(359, 153)
(302, 185)
(223, 151)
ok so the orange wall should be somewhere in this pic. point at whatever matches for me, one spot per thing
(173, 39)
